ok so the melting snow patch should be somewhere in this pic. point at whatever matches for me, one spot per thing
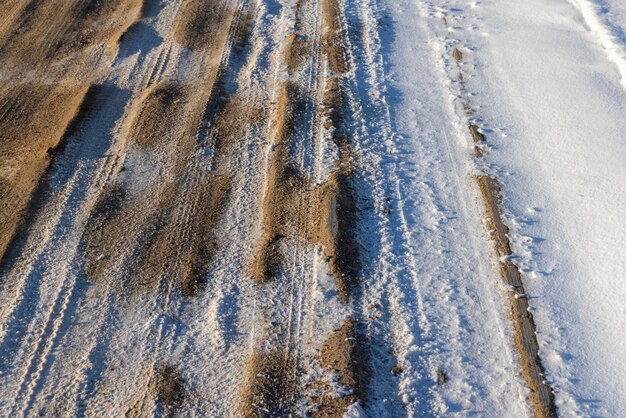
(355, 411)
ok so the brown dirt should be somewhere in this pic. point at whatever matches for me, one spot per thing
(337, 213)
(442, 377)
(229, 116)
(34, 39)
(164, 385)
(457, 54)
(170, 388)
(25, 137)
(525, 340)
(161, 105)
(103, 229)
(282, 212)
(344, 353)
(332, 222)
(199, 23)
(270, 387)
(206, 197)
(154, 215)
(167, 122)
(48, 31)
(297, 49)
(162, 236)
(106, 237)
(333, 44)
(211, 203)
(234, 117)
(329, 406)
(477, 136)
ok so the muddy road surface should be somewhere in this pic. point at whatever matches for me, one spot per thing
(211, 208)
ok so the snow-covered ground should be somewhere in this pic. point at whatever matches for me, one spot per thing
(549, 81)
(446, 305)
(545, 80)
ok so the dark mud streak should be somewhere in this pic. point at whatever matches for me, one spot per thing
(525, 339)
(270, 386)
(344, 251)
(196, 28)
(285, 187)
(345, 353)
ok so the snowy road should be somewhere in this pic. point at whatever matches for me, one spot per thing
(547, 79)
(278, 207)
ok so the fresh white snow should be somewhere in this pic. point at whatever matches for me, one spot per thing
(548, 80)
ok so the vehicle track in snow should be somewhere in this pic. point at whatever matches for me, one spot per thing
(459, 67)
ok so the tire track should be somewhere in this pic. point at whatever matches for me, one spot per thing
(43, 331)
(200, 187)
(226, 289)
(284, 219)
(45, 51)
(94, 371)
(310, 215)
(524, 336)
(391, 301)
(56, 322)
